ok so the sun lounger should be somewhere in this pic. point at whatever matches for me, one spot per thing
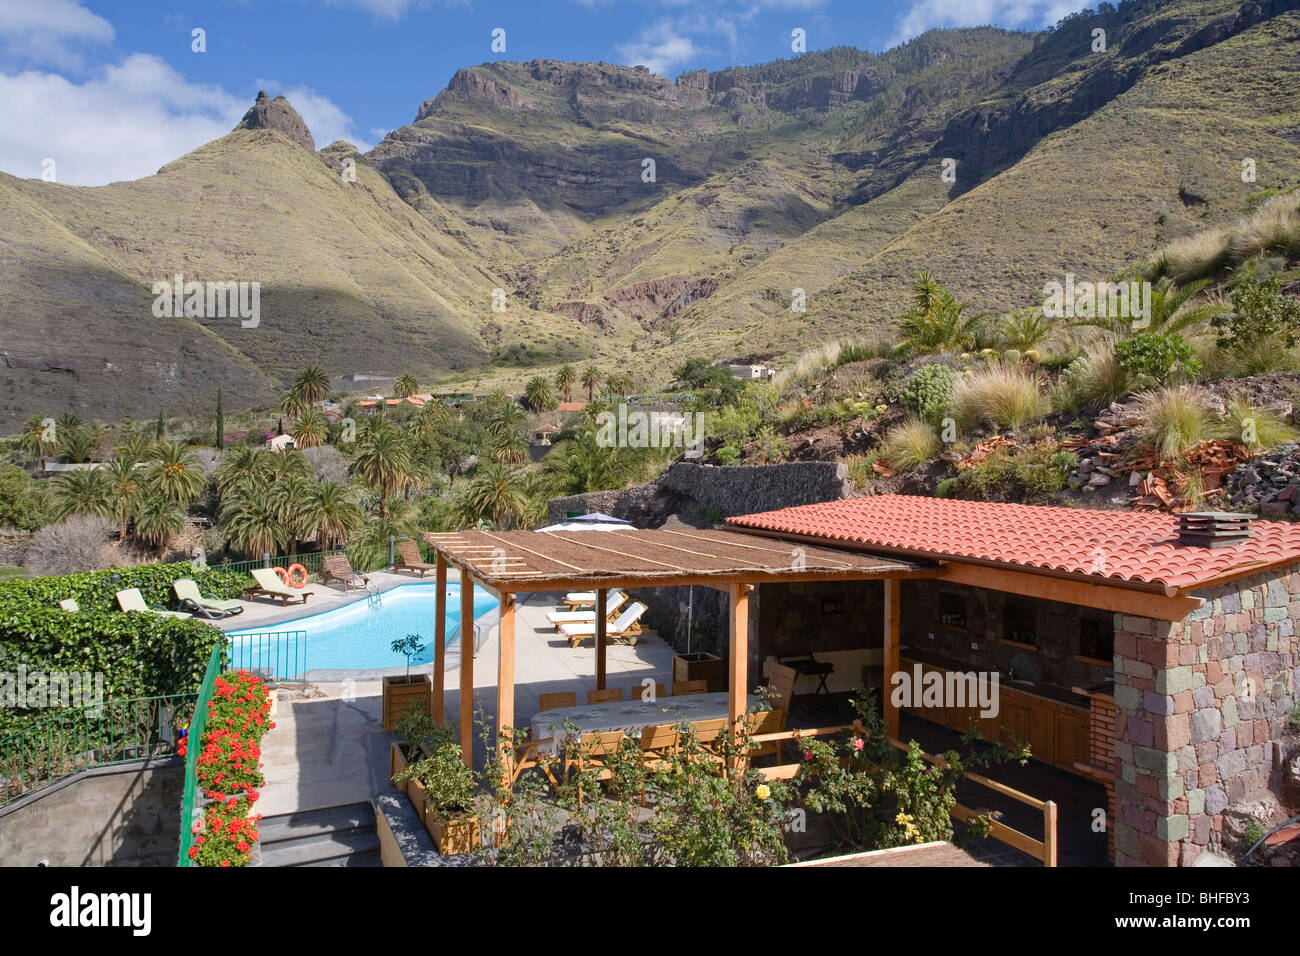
(614, 600)
(70, 604)
(578, 599)
(625, 628)
(132, 600)
(337, 567)
(269, 585)
(187, 592)
(409, 559)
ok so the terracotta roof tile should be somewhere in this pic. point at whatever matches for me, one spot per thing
(1132, 546)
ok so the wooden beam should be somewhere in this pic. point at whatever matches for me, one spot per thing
(506, 682)
(890, 663)
(738, 656)
(602, 608)
(467, 669)
(627, 581)
(440, 638)
(1117, 600)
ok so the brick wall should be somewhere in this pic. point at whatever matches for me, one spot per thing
(1199, 704)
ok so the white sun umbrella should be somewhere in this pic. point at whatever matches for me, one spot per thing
(589, 522)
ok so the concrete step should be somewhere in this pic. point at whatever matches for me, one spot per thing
(331, 836)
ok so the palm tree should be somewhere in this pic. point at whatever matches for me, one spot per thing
(289, 496)
(936, 322)
(238, 465)
(135, 447)
(507, 419)
(76, 443)
(509, 448)
(539, 394)
(273, 466)
(125, 491)
(621, 384)
(1025, 329)
(81, 492)
(158, 520)
(294, 404)
(1171, 312)
(37, 438)
(590, 380)
(332, 514)
(383, 461)
(405, 386)
(311, 430)
(175, 473)
(565, 379)
(312, 384)
(252, 519)
(494, 492)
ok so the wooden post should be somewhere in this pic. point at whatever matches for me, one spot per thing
(506, 683)
(440, 639)
(467, 669)
(1049, 833)
(601, 610)
(891, 656)
(738, 654)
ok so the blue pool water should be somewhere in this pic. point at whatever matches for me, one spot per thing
(358, 636)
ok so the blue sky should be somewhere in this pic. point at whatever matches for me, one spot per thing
(111, 89)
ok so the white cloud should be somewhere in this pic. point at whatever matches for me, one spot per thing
(49, 31)
(325, 120)
(925, 15)
(661, 48)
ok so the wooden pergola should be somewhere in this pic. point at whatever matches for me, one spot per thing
(512, 562)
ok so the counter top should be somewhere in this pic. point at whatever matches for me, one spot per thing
(1059, 695)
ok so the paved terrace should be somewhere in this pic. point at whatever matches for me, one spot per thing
(331, 748)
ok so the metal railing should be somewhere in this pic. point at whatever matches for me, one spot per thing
(271, 655)
(189, 810)
(78, 738)
(313, 561)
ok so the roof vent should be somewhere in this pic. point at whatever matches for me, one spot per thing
(1213, 529)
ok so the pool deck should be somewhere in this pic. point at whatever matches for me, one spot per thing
(329, 746)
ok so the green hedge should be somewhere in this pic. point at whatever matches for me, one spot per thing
(139, 655)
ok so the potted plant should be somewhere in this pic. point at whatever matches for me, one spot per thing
(400, 692)
(706, 667)
(447, 790)
(420, 736)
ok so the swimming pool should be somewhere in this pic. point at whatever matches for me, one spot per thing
(358, 636)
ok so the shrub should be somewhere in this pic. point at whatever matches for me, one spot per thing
(21, 504)
(1003, 396)
(909, 444)
(1151, 358)
(1094, 380)
(1013, 474)
(1256, 428)
(77, 543)
(928, 392)
(1260, 312)
(1194, 257)
(1174, 419)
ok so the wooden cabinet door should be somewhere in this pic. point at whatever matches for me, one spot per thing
(1040, 729)
(1071, 737)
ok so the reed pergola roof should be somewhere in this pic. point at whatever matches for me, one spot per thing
(515, 561)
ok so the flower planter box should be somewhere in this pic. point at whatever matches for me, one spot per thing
(400, 692)
(459, 834)
(705, 667)
(397, 758)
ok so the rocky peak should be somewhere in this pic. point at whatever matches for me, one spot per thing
(277, 114)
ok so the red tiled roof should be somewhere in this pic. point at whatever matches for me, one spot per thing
(1131, 546)
(570, 406)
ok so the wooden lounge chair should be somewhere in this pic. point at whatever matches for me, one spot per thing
(132, 600)
(624, 629)
(70, 604)
(187, 592)
(684, 688)
(269, 585)
(606, 696)
(556, 701)
(614, 600)
(409, 559)
(337, 567)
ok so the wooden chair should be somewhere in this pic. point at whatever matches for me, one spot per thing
(409, 559)
(780, 687)
(591, 755)
(535, 754)
(636, 691)
(604, 696)
(658, 743)
(338, 567)
(765, 722)
(684, 688)
(707, 733)
(556, 701)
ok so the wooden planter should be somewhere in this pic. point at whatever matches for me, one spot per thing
(400, 692)
(455, 834)
(705, 667)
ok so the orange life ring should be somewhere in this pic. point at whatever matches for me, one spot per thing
(294, 581)
(284, 577)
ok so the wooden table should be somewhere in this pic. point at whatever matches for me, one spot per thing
(630, 716)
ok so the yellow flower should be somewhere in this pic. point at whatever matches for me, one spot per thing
(903, 817)
(763, 791)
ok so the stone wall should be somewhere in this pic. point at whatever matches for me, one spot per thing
(706, 492)
(120, 815)
(1201, 712)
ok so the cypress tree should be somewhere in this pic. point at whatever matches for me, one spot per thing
(221, 423)
(158, 432)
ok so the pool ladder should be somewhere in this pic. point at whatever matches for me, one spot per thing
(373, 596)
